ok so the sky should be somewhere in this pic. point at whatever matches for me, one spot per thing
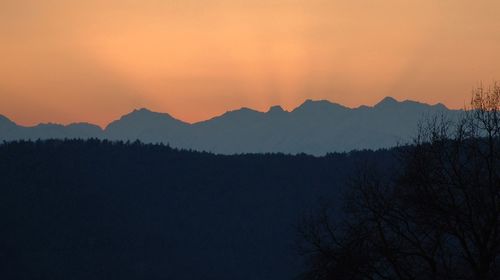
(95, 60)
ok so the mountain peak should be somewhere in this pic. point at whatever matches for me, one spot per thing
(387, 101)
(140, 118)
(441, 106)
(311, 101)
(4, 121)
(144, 112)
(241, 111)
(318, 105)
(276, 110)
(240, 114)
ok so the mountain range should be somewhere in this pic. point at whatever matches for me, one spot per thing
(315, 127)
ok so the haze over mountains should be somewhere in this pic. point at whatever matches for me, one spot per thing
(315, 127)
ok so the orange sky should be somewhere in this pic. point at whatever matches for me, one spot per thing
(94, 60)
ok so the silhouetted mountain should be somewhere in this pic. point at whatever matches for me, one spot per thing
(84, 130)
(315, 127)
(11, 131)
(5, 124)
(96, 210)
(319, 108)
(149, 127)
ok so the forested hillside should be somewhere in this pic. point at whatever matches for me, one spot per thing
(96, 209)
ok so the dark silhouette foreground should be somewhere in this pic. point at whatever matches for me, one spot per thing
(102, 210)
(437, 218)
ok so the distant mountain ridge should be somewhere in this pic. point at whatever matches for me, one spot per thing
(315, 127)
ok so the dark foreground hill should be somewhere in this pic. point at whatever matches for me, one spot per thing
(99, 210)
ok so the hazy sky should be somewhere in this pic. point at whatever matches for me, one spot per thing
(93, 60)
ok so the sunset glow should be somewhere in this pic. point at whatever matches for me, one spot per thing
(94, 60)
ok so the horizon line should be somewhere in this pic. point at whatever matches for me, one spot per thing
(279, 107)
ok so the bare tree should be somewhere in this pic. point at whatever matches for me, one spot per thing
(437, 218)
